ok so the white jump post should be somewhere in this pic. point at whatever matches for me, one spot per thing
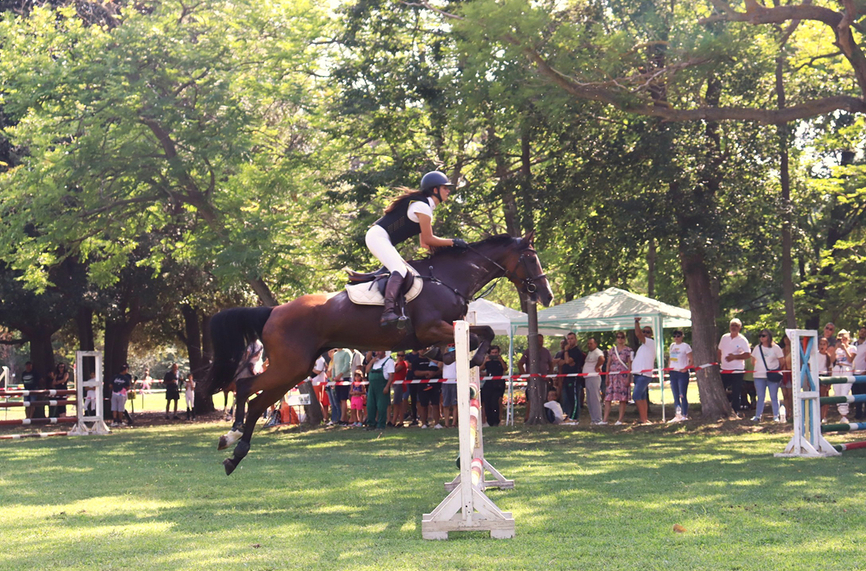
(4, 377)
(807, 440)
(89, 424)
(467, 508)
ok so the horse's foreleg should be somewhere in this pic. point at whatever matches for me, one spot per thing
(480, 338)
(257, 407)
(241, 396)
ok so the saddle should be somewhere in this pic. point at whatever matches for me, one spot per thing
(369, 288)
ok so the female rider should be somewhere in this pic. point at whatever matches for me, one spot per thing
(409, 215)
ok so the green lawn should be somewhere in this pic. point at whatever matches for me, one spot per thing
(157, 498)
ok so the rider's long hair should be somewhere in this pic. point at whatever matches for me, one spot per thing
(408, 195)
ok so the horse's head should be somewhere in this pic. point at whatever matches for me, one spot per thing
(524, 271)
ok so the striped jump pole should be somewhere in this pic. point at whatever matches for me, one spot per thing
(808, 440)
(29, 421)
(26, 403)
(31, 435)
(467, 508)
(37, 393)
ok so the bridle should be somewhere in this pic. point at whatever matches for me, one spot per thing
(529, 285)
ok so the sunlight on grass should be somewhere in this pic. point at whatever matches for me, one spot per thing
(157, 498)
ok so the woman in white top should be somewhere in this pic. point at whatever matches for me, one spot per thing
(844, 365)
(409, 215)
(767, 358)
(679, 362)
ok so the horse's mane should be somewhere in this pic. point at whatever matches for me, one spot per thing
(451, 251)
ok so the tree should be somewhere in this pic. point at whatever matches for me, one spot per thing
(172, 114)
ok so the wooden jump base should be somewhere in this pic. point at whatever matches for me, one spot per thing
(93, 424)
(467, 508)
(808, 440)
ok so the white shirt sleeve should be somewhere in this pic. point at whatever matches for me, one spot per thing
(420, 208)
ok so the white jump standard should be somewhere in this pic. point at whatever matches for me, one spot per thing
(467, 508)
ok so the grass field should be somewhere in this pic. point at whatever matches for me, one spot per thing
(157, 498)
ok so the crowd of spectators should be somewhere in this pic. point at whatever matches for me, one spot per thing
(368, 391)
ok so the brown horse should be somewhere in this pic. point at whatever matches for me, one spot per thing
(296, 333)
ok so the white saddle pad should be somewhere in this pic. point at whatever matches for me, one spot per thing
(368, 293)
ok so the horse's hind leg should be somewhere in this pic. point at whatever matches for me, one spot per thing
(257, 407)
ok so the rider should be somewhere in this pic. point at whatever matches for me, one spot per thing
(409, 215)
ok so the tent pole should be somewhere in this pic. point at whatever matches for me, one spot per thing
(509, 420)
(658, 323)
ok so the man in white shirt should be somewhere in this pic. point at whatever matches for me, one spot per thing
(732, 353)
(592, 366)
(641, 368)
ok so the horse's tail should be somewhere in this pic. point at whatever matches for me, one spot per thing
(231, 331)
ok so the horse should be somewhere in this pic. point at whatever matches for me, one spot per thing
(296, 333)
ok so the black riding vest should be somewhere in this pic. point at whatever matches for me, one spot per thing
(398, 225)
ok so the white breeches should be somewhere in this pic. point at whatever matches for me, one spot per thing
(190, 399)
(380, 244)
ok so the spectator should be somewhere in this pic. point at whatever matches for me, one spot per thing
(545, 365)
(413, 361)
(844, 365)
(61, 383)
(172, 390)
(493, 389)
(573, 360)
(679, 362)
(121, 383)
(593, 363)
(146, 381)
(826, 358)
(558, 361)
(428, 393)
(732, 353)
(449, 392)
(47, 384)
(618, 378)
(552, 408)
(189, 394)
(830, 334)
(641, 367)
(90, 396)
(767, 359)
(379, 372)
(787, 378)
(341, 371)
(400, 390)
(356, 394)
(32, 381)
(860, 369)
(320, 387)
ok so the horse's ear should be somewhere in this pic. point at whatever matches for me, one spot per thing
(530, 237)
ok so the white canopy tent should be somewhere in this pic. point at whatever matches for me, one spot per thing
(611, 310)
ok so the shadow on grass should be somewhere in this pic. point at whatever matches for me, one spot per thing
(334, 498)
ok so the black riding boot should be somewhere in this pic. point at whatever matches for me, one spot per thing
(392, 294)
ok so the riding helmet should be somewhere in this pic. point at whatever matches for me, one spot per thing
(433, 179)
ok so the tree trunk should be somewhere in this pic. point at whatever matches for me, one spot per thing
(536, 387)
(314, 409)
(651, 268)
(714, 402)
(785, 182)
(117, 335)
(41, 350)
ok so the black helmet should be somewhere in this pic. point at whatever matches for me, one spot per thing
(433, 179)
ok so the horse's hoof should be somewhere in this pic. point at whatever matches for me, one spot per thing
(223, 443)
(230, 466)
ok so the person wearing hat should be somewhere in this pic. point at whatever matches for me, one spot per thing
(121, 383)
(409, 215)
